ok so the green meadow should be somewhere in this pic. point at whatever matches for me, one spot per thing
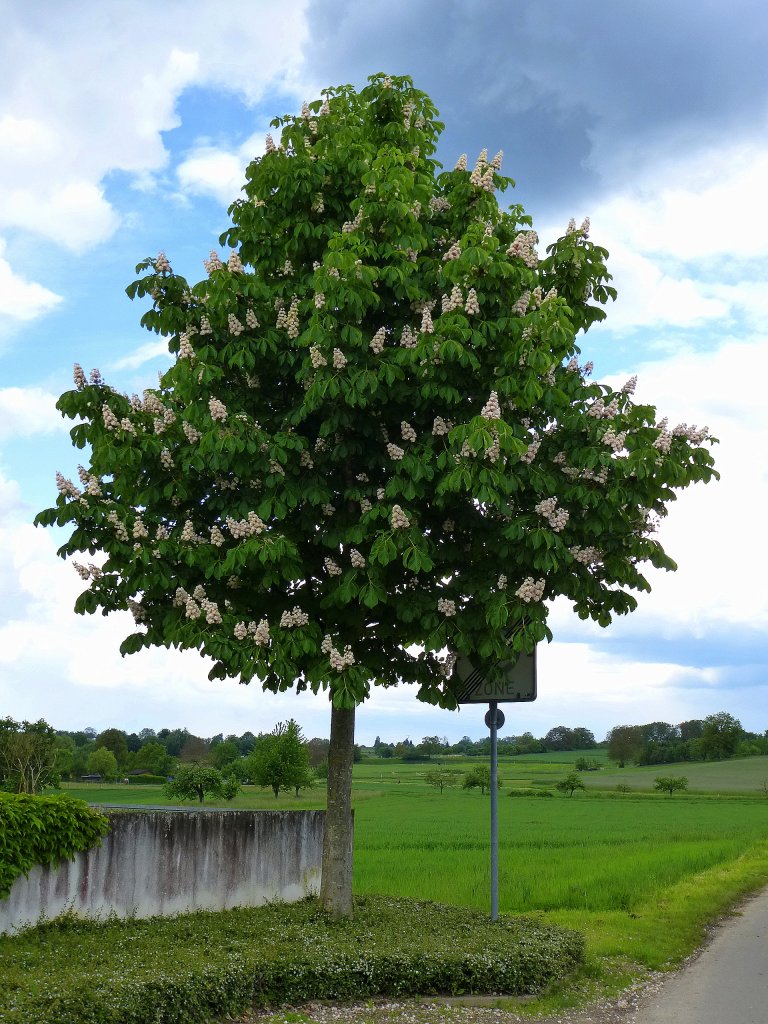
(641, 874)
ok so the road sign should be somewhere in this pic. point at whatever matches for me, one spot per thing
(508, 681)
(494, 718)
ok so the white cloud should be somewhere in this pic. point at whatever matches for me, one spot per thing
(22, 300)
(212, 172)
(144, 354)
(26, 411)
(64, 132)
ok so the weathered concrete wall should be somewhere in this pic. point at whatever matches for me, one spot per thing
(171, 862)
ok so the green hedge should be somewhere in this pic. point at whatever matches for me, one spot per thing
(190, 968)
(43, 830)
(531, 792)
(147, 780)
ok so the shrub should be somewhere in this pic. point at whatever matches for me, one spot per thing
(43, 830)
(531, 792)
(147, 780)
(208, 964)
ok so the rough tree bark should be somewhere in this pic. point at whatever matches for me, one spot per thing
(336, 884)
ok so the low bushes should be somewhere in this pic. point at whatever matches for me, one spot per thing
(147, 780)
(531, 792)
(43, 830)
(189, 968)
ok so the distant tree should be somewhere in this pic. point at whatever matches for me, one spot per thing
(196, 781)
(720, 736)
(145, 735)
(114, 740)
(153, 755)
(570, 784)
(104, 763)
(224, 754)
(587, 764)
(280, 760)
(669, 784)
(432, 745)
(318, 751)
(29, 753)
(478, 777)
(194, 750)
(559, 738)
(582, 739)
(173, 740)
(441, 777)
(624, 743)
(528, 744)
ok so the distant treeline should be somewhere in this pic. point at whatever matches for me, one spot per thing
(713, 738)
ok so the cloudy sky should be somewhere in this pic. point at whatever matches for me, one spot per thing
(125, 129)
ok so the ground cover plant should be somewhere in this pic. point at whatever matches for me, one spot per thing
(165, 971)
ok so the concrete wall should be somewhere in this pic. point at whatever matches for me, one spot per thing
(171, 862)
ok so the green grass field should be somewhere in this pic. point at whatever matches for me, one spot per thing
(639, 873)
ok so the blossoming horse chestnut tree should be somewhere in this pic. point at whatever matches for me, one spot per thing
(376, 443)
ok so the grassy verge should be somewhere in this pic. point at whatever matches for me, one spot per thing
(186, 969)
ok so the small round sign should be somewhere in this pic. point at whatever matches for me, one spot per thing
(498, 714)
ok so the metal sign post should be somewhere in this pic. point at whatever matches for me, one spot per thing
(494, 719)
(510, 681)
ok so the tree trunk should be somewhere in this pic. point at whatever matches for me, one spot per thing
(336, 884)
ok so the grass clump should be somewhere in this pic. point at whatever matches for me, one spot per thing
(188, 968)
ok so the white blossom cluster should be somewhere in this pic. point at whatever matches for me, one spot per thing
(693, 433)
(234, 325)
(259, 632)
(338, 660)
(205, 325)
(138, 612)
(556, 517)
(119, 527)
(365, 506)
(352, 225)
(186, 351)
(427, 327)
(453, 301)
(629, 387)
(306, 460)
(111, 422)
(378, 341)
(89, 482)
(380, 494)
(440, 427)
(399, 519)
(447, 666)
(461, 163)
(166, 459)
(520, 308)
(213, 262)
(188, 532)
(394, 452)
(438, 204)
(79, 376)
(501, 583)
(275, 467)
(96, 378)
(613, 440)
(250, 320)
(331, 567)
(88, 572)
(452, 253)
(327, 509)
(357, 560)
(407, 432)
(446, 607)
(139, 530)
(339, 359)
(249, 527)
(162, 266)
(585, 555)
(530, 590)
(217, 537)
(600, 411)
(482, 175)
(218, 410)
(491, 410)
(294, 617)
(531, 451)
(190, 432)
(494, 451)
(600, 476)
(234, 263)
(316, 357)
(524, 246)
(449, 526)
(472, 306)
(162, 532)
(407, 338)
(318, 203)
